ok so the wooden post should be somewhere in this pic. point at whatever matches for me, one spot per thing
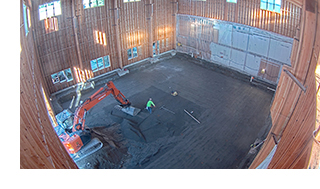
(236, 13)
(116, 24)
(150, 27)
(225, 13)
(174, 22)
(75, 30)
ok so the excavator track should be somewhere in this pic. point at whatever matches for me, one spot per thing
(93, 146)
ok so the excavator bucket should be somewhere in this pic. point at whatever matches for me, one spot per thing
(129, 110)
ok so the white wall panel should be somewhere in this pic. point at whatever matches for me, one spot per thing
(280, 51)
(258, 45)
(252, 64)
(236, 46)
(240, 36)
(220, 54)
(237, 59)
(225, 31)
(239, 40)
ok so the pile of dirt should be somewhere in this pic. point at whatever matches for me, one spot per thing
(113, 153)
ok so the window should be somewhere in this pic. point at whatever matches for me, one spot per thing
(94, 65)
(154, 48)
(100, 63)
(100, 38)
(51, 24)
(92, 3)
(62, 76)
(49, 10)
(106, 61)
(135, 52)
(68, 74)
(132, 53)
(26, 19)
(231, 1)
(42, 12)
(167, 42)
(128, 1)
(129, 51)
(57, 8)
(55, 78)
(271, 5)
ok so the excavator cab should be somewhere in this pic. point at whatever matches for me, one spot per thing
(76, 141)
(65, 120)
(78, 144)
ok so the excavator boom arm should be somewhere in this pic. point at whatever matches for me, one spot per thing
(103, 92)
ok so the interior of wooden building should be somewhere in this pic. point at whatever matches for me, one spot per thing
(264, 54)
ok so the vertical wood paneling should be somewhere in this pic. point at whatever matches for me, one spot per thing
(50, 46)
(293, 112)
(162, 23)
(58, 50)
(40, 147)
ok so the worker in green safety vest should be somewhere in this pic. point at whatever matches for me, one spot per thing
(149, 105)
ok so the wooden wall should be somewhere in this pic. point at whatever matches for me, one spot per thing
(247, 12)
(40, 147)
(126, 25)
(293, 111)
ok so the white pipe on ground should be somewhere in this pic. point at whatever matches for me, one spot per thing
(191, 116)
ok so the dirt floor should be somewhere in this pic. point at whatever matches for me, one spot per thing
(232, 112)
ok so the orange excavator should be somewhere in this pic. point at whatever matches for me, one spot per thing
(78, 143)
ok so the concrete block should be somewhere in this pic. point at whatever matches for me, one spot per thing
(122, 72)
(173, 53)
(154, 60)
